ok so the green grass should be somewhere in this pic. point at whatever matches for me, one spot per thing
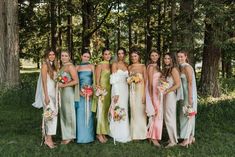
(20, 133)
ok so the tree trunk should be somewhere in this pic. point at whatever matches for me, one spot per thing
(210, 65)
(118, 29)
(173, 27)
(9, 43)
(60, 24)
(69, 29)
(87, 23)
(148, 30)
(129, 32)
(158, 27)
(186, 25)
(53, 24)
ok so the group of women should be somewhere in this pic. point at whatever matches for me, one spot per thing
(139, 98)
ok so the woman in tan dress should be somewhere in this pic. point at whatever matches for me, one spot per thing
(137, 97)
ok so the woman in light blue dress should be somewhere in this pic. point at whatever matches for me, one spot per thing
(84, 116)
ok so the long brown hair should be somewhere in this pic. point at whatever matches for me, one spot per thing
(185, 53)
(51, 66)
(136, 51)
(158, 61)
(167, 69)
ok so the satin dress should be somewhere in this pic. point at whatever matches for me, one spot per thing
(84, 115)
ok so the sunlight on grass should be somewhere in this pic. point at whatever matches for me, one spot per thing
(21, 133)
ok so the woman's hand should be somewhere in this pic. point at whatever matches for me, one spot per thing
(47, 100)
(143, 100)
(82, 94)
(115, 99)
(190, 101)
(61, 85)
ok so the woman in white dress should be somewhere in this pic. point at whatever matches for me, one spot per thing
(172, 76)
(120, 130)
(46, 96)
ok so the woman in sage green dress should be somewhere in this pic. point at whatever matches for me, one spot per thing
(103, 81)
(187, 124)
(67, 106)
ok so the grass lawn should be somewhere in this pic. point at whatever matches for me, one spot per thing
(20, 133)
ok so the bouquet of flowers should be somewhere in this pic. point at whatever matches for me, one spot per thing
(100, 91)
(48, 114)
(134, 78)
(62, 78)
(164, 85)
(189, 111)
(87, 90)
(116, 113)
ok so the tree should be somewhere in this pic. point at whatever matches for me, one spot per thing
(9, 43)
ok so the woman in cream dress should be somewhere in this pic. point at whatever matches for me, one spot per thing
(172, 76)
(137, 98)
(46, 96)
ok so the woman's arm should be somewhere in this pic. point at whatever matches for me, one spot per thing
(189, 75)
(145, 78)
(176, 77)
(73, 73)
(44, 83)
(114, 68)
(97, 74)
(150, 71)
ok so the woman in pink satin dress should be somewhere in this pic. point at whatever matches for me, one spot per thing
(154, 104)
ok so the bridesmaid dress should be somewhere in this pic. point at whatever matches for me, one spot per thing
(85, 119)
(156, 122)
(49, 127)
(67, 111)
(187, 126)
(102, 109)
(120, 130)
(138, 114)
(170, 112)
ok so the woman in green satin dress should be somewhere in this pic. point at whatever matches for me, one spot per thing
(67, 107)
(102, 80)
(187, 124)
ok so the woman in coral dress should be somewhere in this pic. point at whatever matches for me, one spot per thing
(154, 99)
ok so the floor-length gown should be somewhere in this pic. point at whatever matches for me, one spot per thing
(102, 109)
(187, 126)
(67, 111)
(155, 126)
(49, 126)
(138, 114)
(84, 116)
(170, 112)
(120, 130)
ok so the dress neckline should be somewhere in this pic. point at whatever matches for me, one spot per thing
(104, 62)
(84, 63)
